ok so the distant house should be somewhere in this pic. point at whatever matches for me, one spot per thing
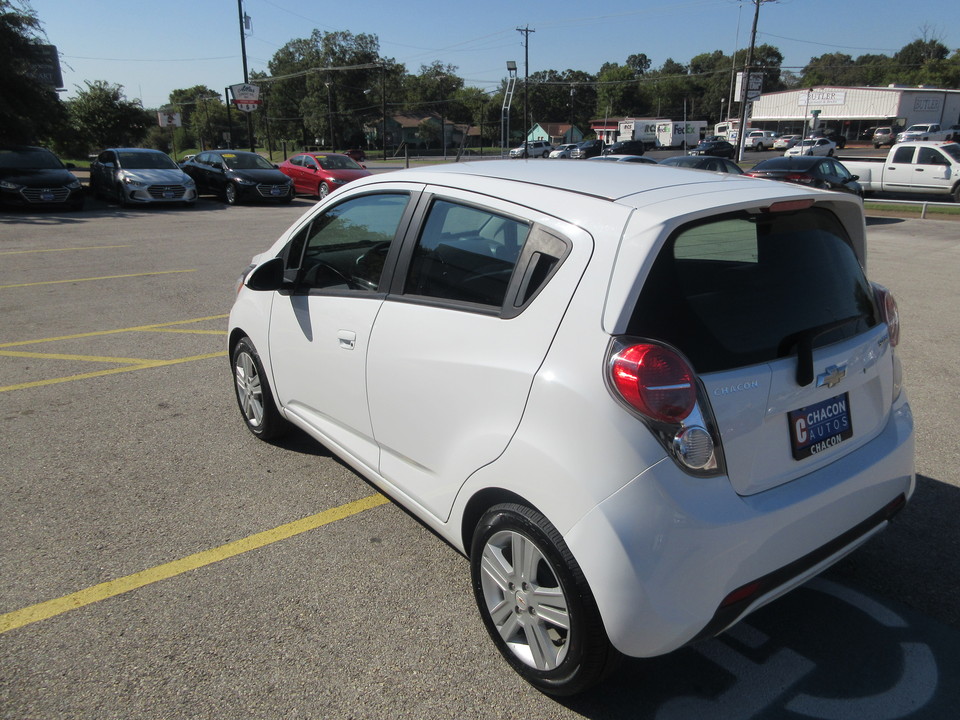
(555, 133)
(423, 131)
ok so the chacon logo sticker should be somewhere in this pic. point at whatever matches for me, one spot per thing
(739, 387)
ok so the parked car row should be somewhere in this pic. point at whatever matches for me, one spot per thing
(35, 177)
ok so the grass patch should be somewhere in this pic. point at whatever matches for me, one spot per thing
(910, 211)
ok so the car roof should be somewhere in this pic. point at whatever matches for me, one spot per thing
(632, 184)
(133, 150)
(790, 162)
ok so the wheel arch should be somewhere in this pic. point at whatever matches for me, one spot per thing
(479, 504)
(235, 336)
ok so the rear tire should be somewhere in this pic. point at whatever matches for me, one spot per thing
(536, 603)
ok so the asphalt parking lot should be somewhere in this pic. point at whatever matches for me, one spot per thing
(159, 561)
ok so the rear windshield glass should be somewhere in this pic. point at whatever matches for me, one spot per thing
(739, 289)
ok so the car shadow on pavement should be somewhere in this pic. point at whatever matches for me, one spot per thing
(833, 648)
(299, 441)
(880, 220)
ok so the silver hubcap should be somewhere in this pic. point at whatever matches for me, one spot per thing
(249, 391)
(525, 600)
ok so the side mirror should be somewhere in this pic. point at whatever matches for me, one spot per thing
(853, 178)
(268, 277)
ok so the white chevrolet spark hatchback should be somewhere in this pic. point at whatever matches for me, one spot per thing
(642, 401)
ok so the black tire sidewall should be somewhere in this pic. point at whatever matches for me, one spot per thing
(589, 653)
(273, 425)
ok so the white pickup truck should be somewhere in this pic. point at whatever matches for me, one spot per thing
(929, 168)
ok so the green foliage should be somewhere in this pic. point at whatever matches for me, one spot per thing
(921, 62)
(327, 86)
(105, 118)
(29, 112)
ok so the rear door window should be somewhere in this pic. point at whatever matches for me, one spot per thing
(744, 289)
(904, 154)
(465, 254)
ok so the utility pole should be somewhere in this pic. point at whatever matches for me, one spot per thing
(244, 20)
(526, 76)
(745, 80)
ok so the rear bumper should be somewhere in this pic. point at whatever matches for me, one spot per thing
(671, 558)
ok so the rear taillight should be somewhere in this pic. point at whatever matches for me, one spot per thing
(798, 178)
(656, 381)
(659, 385)
(889, 312)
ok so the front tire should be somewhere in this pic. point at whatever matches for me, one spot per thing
(231, 194)
(253, 393)
(322, 190)
(536, 603)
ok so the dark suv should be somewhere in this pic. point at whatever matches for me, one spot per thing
(625, 147)
(588, 149)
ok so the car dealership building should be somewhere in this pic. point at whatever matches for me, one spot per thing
(854, 110)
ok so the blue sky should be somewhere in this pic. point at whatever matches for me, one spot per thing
(151, 48)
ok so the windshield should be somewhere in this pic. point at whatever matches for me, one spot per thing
(145, 161)
(330, 162)
(246, 161)
(918, 128)
(37, 159)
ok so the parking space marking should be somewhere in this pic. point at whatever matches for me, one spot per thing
(91, 279)
(50, 250)
(141, 365)
(115, 331)
(112, 588)
(129, 364)
(64, 356)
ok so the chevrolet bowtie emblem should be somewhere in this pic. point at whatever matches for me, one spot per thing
(832, 376)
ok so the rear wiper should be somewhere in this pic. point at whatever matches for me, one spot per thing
(803, 341)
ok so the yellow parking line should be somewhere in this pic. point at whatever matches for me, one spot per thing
(187, 332)
(80, 358)
(97, 333)
(141, 365)
(91, 247)
(105, 277)
(51, 608)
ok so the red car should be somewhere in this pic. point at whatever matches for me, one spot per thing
(321, 173)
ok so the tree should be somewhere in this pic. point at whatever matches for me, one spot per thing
(29, 110)
(618, 92)
(831, 69)
(202, 114)
(324, 86)
(104, 117)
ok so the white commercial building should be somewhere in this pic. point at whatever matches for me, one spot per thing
(853, 111)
